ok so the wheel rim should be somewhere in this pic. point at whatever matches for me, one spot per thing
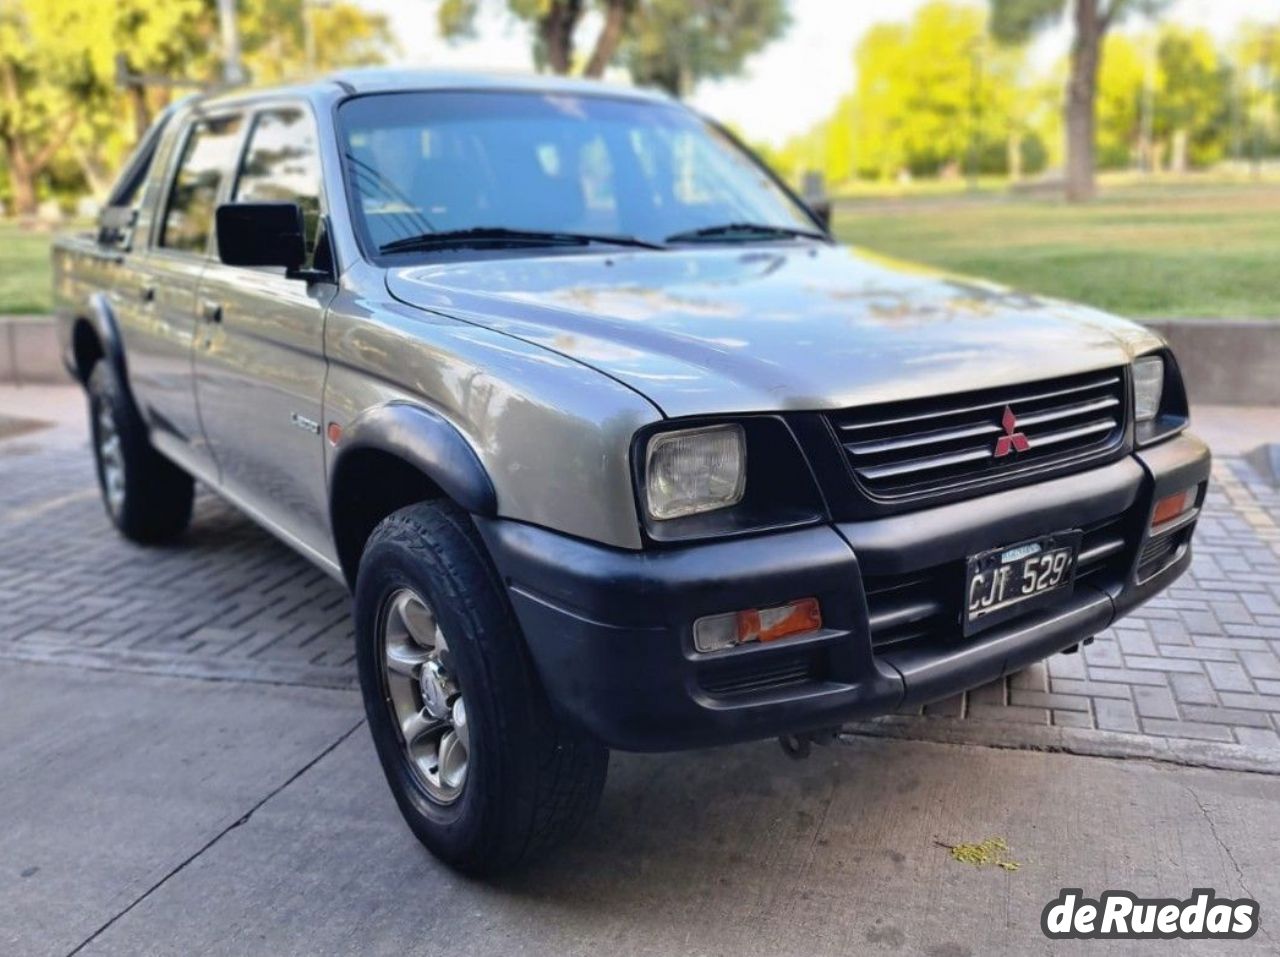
(111, 458)
(423, 696)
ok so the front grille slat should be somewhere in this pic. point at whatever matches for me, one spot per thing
(926, 446)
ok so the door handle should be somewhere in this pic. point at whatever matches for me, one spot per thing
(211, 311)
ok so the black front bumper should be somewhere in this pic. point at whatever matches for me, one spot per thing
(610, 631)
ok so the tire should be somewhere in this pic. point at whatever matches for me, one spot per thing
(146, 496)
(528, 780)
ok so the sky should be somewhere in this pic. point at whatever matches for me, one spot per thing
(785, 89)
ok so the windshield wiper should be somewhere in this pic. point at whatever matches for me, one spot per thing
(743, 231)
(499, 235)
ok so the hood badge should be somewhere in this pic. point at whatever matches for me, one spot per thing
(1012, 440)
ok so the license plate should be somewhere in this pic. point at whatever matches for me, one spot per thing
(1015, 579)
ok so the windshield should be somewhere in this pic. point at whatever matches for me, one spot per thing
(584, 166)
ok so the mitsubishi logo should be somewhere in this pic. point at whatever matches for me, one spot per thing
(1012, 440)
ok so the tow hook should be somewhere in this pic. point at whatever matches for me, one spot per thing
(1075, 648)
(799, 746)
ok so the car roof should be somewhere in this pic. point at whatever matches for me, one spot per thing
(405, 80)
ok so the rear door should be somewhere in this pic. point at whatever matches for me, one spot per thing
(260, 364)
(163, 317)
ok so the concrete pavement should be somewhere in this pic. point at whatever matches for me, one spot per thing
(211, 837)
(183, 770)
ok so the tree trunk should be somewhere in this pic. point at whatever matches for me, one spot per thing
(1082, 89)
(557, 27)
(615, 22)
(22, 182)
(137, 94)
(1013, 148)
(1178, 154)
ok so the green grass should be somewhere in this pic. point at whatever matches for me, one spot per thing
(1158, 250)
(25, 277)
(1200, 249)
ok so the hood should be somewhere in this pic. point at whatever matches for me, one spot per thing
(774, 328)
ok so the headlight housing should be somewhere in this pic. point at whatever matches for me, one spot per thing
(1159, 398)
(1148, 387)
(691, 471)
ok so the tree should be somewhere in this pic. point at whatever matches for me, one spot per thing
(1015, 21)
(1190, 96)
(675, 43)
(38, 95)
(555, 26)
(287, 38)
(933, 93)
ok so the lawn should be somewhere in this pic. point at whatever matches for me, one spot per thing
(25, 279)
(1202, 250)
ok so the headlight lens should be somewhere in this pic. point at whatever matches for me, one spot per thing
(695, 470)
(1148, 387)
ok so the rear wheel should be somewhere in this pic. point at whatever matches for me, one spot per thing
(485, 774)
(147, 497)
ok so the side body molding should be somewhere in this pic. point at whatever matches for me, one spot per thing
(428, 441)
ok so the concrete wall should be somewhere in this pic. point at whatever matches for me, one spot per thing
(29, 351)
(1225, 362)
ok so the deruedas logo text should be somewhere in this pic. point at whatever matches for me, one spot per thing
(1122, 915)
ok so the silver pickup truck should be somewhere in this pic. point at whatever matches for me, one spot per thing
(614, 447)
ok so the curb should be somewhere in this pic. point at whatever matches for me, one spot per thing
(1223, 361)
(1226, 361)
(1080, 741)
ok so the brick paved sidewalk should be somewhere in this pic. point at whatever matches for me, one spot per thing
(1193, 676)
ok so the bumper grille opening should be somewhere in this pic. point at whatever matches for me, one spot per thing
(1104, 551)
(925, 605)
(932, 446)
(918, 606)
(754, 673)
(1162, 550)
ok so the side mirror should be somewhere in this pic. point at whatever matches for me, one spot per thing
(821, 209)
(261, 234)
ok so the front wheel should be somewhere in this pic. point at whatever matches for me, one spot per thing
(485, 774)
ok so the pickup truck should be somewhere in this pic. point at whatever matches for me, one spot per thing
(613, 445)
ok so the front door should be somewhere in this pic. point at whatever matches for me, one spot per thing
(259, 354)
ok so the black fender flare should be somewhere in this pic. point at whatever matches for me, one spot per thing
(429, 442)
(101, 319)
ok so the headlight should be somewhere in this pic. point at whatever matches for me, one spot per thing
(1148, 387)
(695, 470)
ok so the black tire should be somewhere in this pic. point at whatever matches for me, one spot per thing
(150, 502)
(531, 779)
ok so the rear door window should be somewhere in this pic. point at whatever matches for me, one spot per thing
(207, 156)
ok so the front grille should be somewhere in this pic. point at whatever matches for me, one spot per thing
(947, 443)
(924, 606)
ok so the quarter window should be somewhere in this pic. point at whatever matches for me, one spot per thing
(282, 165)
(206, 156)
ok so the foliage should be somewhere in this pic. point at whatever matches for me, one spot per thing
(555, 26)
(675, 43)
(671, 44)
(933, 94)
(65, 122)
